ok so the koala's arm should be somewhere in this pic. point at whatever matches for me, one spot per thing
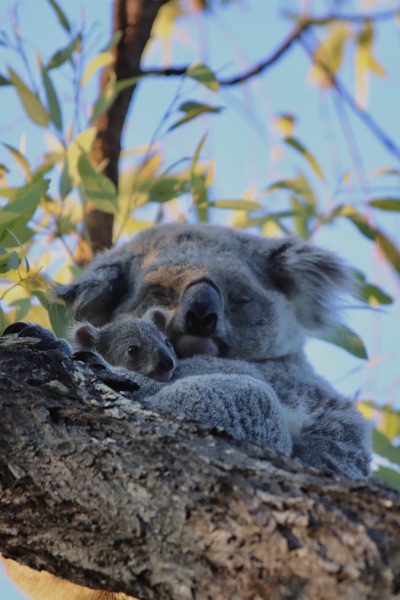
(336, 438)
(243, 406)
(327, 430)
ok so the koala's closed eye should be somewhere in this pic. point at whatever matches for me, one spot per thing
(238, 300)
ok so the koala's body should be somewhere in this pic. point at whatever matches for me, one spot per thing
(137, 344)
(232, 296)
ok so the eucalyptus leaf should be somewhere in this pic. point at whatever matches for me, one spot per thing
(30, 101)
(95, 187)
(346, 338)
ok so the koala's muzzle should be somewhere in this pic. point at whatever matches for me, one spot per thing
(201, 307)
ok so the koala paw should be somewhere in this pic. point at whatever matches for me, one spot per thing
(48, 341)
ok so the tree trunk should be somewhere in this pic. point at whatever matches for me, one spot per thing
(104, 493)
(134, 18)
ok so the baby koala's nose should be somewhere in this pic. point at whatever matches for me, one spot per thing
(165, 361)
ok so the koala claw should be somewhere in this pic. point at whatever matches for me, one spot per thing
(48, 341)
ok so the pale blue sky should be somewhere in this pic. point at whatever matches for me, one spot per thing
(242, 140)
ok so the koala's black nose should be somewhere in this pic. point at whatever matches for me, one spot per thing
(165, 361)
(202, 307)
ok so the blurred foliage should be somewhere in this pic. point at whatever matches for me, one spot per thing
(41, 217)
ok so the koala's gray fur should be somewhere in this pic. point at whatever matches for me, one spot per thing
(248, 373)
(136, 344)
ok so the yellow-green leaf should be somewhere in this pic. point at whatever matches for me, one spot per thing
(24, 203)
(98, 62)
(95, 187)
(284, 124)
(299, 185)
(30, 101)
(60, 15)
(236, 204)
(20, 160)
(307, 155)
(365, 62)
(330, 53)
(346, 338)
(201, 73)
(391, 204)
(108, 96)
(389, 476)
(389, 250)
(193, 110)
(52, 99)
(383, 447)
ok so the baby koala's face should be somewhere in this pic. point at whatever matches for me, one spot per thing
(140, 346)
(133, 343)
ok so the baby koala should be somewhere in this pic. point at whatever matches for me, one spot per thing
(138, 344)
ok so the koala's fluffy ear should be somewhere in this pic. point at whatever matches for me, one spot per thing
(96, 293)
(159, 316)
(312, 278)
(85, 336)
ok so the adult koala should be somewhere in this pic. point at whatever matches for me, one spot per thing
(233, 297)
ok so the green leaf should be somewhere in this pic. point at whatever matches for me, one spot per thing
(167, 188)
(115, 39)
(3, 320)
(307, 155)
(193, 110)
(370, 293)
(25, 203)
(345, 338)
(52, 99)
(389, 250)
(19, 236)
(236, 204)
(199, 148)
(22, 305)
(361, 222)
(259, 221)
(42, 297)
(20, 160)
(4, 81)
(201, 73)
(101, 60)
(19, 244)
(58, 318)
(391, 204)
(108, 96)
(65, 54)
(389, 476)
(30, 101)
(9, 262)
(299, 185)
(384, 448)
(95, 187)
(61, 16)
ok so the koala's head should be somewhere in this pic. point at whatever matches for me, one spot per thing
(138, 344)
(228, 293)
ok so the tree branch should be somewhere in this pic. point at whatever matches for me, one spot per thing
(162, 508)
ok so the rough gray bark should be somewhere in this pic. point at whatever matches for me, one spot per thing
(100, 491)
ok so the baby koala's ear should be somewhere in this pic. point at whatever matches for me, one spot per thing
(159, 316)
(86, 335)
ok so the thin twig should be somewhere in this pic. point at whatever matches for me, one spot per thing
(351, 103)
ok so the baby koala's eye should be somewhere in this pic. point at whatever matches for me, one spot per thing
(168, 343)
(132, 350)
